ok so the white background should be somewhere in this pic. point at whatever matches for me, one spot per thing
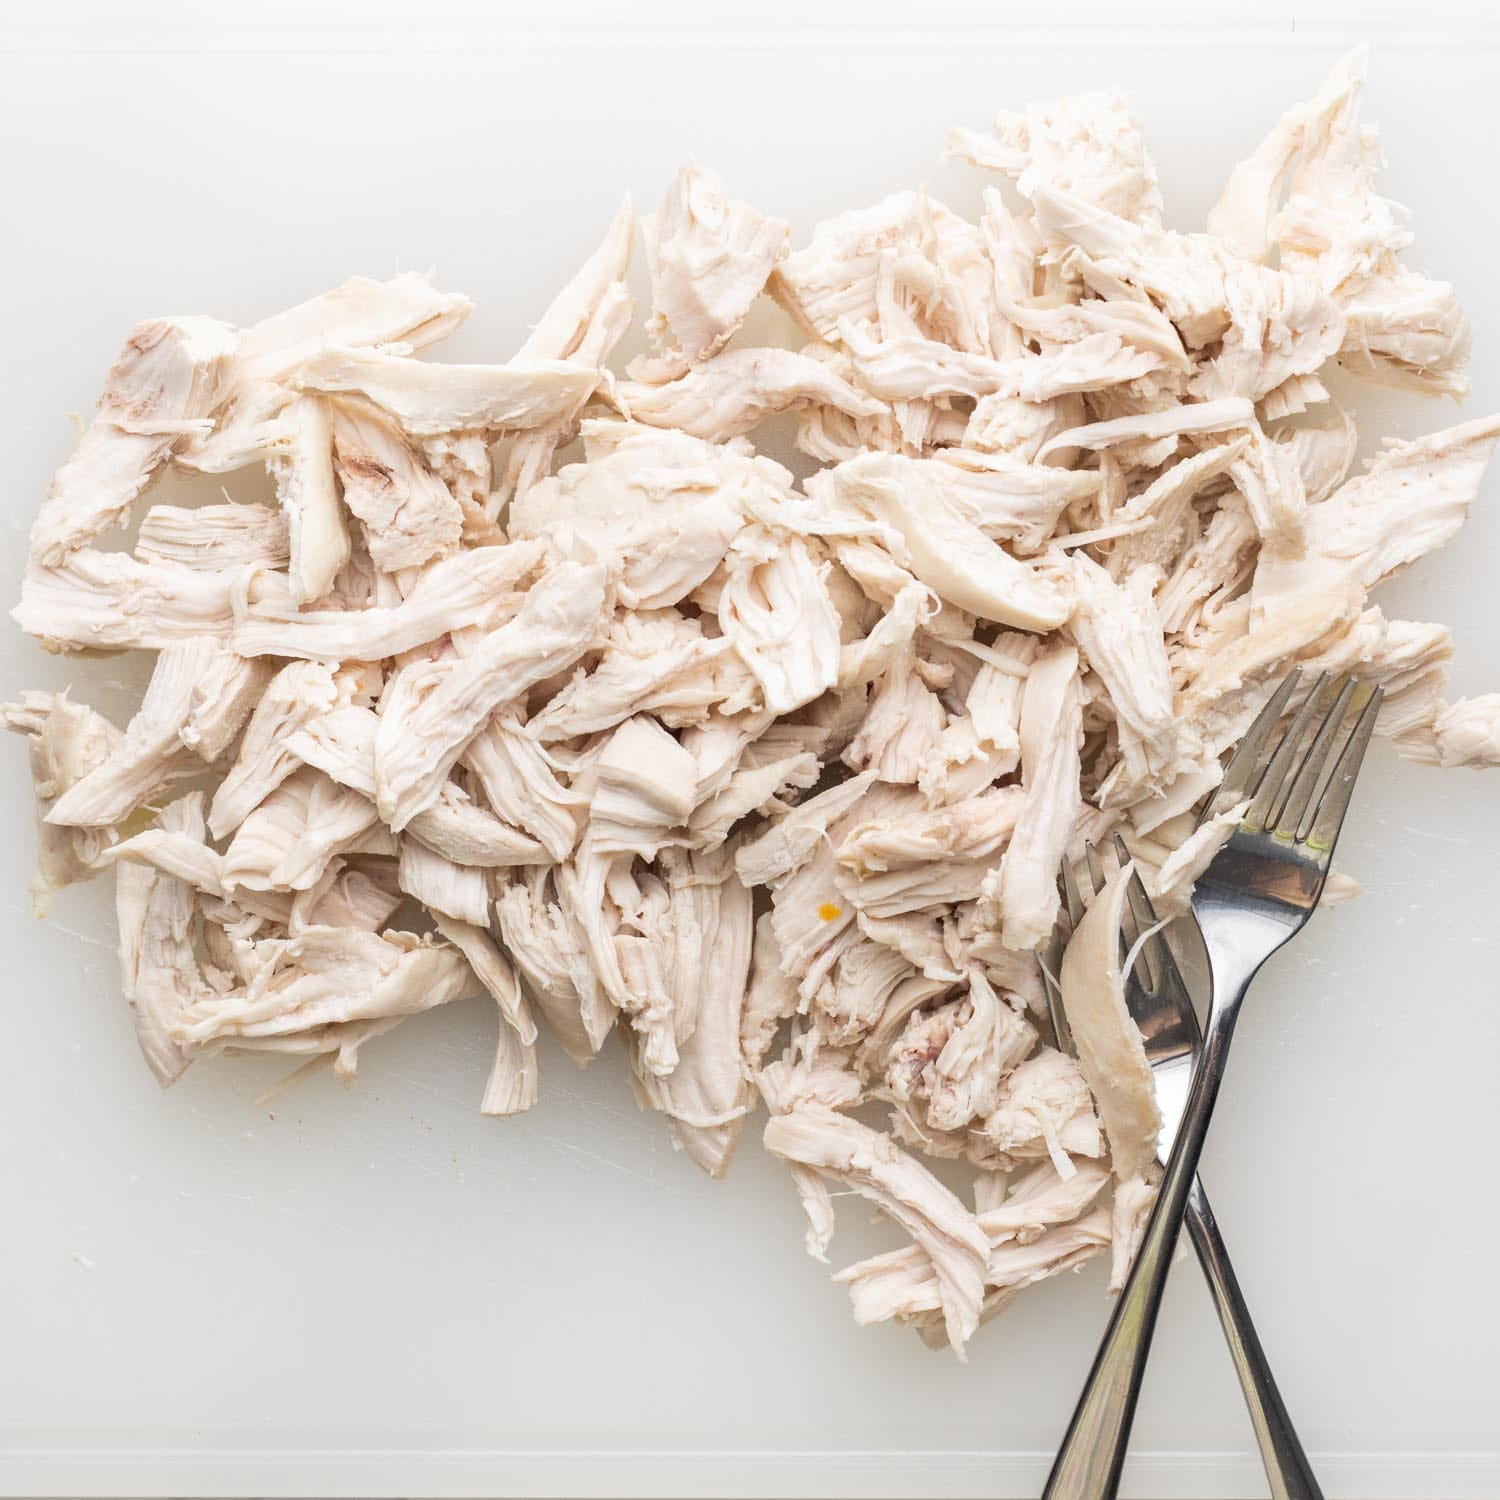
(379, 1292)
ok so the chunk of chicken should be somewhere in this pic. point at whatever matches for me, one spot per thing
(812, 1135)
(215, 538)
(224, 697)
(706, 1096)
(1335, 231)
(648, 652)
(1111, 1054)
(409, 516)
(522, 786)
(302, 463)
(68, 742)
(108, 601)
(646, 784)
(151, 756)
(948, 551)
(709, 256)
(430, 711)
(361, 313)
(162, 390)
(328, 976)
(1413, 498)
(1044, 1108)
(297, 695)
(444, 887)
(429, 399)
(158, 968)
(512, 1084)
(917, 860)
(1120, 631)
(1089, 144)
(1024, 890)
(474, 588)
(664, 507)
(1465, 733)
(548, 948)
(777, 615)
(736, 391)
(286, 843)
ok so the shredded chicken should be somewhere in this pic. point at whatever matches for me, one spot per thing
(545, 683)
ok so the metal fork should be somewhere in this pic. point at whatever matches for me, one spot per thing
(1159, 1003)
(1255, 896)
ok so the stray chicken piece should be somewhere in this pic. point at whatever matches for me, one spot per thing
(1089, 144)
(68, 742)
(1466, 733)
(109, 601)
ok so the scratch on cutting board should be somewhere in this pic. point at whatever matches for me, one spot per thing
(613, 1166)
(72, 932)
(1437, 838)
(83, 1260)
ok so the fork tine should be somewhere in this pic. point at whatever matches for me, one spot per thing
(1299, 799)
(1096, 869)
(1241, 772)
(1072, 896)
(1334, 803)
(1284, 759)
(1141, 919)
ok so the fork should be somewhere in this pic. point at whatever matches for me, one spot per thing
(1159, 1003)
(1255, 896)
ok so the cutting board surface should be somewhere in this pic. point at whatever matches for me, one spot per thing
(377, 1291)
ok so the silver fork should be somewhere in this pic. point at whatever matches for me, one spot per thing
(1255, 896)
(1160, 1005)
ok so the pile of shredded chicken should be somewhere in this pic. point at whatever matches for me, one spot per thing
(544, 682)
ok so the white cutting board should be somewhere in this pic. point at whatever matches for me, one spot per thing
(379, 1292)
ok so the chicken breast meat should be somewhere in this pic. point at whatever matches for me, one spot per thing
(538, 679)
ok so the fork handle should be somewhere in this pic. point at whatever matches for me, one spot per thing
(1287, 1469)
(1092, 1454)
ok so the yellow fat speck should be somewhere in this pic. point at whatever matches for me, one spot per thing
(829, 912)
